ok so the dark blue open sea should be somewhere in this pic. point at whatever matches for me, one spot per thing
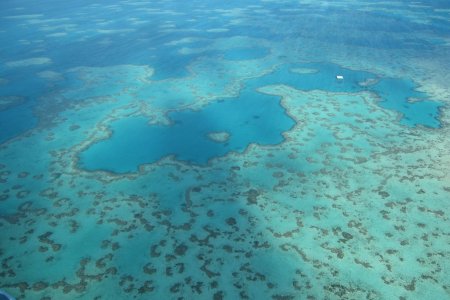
(224, 149)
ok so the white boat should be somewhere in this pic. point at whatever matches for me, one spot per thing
(339, 77)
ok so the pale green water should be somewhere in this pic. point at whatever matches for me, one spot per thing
(166, 150)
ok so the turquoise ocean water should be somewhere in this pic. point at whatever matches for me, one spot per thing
(225, 150)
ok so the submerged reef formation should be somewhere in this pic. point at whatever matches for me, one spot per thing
(220, 137)
(221, 158)
(7, 102)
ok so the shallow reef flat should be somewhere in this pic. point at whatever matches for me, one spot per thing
(344, 217)
(208, 151)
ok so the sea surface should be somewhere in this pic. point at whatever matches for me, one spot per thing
(225, 149)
